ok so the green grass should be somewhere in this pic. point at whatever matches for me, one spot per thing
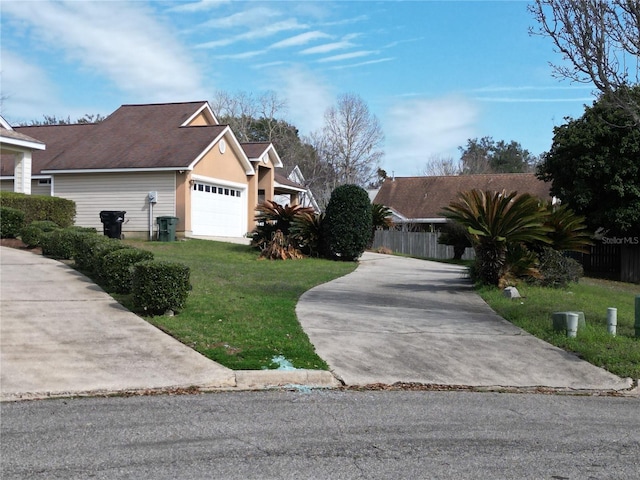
(241, 311)
(619, 355)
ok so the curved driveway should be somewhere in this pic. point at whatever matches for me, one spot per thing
(397, 319)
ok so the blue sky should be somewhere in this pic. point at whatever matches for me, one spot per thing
(435, 73)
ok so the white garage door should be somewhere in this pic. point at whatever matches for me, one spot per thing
(218, 210)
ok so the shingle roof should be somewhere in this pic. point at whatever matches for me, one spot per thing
(5, 133)
(254, 150)
(56, 137)
(134, 136)
(425, 197)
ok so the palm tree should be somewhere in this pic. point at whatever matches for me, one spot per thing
(569, 232)
(496, 220)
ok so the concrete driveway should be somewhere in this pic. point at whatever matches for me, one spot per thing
(61, 334)
(398, 319)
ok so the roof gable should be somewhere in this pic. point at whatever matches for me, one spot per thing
(258, 151)
(425, 197)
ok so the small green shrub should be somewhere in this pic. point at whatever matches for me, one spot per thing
(347, 223)
(63, 243)
(306, 233)
(11, 222)
(160, 286)
(556, 269)
(117, 267)
(102, 250)
(32, 234)
(85, 248)
(62, 211)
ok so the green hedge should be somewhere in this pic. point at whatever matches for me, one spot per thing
(63, 243)
(40, 207)
(160, 286)
(32, 235)
(11, 222)
(117, 267)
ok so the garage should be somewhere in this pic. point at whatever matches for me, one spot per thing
(218, 209)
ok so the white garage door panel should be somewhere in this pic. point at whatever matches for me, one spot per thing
(218, 210)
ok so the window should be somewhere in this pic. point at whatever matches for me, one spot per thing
(226, 191)
(200, 187)
(44, 181)
(233, 193)
(207, 188)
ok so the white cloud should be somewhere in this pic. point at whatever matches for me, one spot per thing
(327, 47)
(419, 128)
(362, 64)
(28, 92)
(347, 56)
(118, 40)
(199, 6)
(249, 18)
(258, 33)
(307, 95)
(301, 39)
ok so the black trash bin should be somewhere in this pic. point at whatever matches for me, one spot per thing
(112, 221)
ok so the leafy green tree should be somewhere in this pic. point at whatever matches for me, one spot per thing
(347, 224)
(594, 167)
(497, 221)
(485, 155)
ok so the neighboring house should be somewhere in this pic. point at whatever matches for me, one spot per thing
(417, 202)
(171, 159)
(17, 154)
(296, 182)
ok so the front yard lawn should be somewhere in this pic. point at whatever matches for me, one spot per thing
(619, 355)
(241, 311)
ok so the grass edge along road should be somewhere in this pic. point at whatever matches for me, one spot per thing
(241, 311)
(618, 354)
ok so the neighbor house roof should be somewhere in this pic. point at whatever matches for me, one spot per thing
(423, 198)
(134, 137)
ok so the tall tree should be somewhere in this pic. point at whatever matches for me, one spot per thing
(594, 167)
(600, 39)
(438, 166)
(485, 155)
(351, 141)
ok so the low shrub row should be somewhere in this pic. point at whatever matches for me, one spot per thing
(156, 287)
(61, 211)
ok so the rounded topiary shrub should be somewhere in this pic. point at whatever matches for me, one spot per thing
(347, 223)
(11, 222)
(117, 267)
(33, 234)
(158, 287)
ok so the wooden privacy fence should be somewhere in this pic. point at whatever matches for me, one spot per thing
(615, 262)
(417, 244)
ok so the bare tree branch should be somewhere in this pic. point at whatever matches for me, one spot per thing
(600, 40)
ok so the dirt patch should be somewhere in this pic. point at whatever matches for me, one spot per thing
(19, 244)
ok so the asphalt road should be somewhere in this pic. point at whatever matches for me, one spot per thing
(323, 435)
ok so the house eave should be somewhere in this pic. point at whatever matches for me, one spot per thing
(18, 145)
(116, 170)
